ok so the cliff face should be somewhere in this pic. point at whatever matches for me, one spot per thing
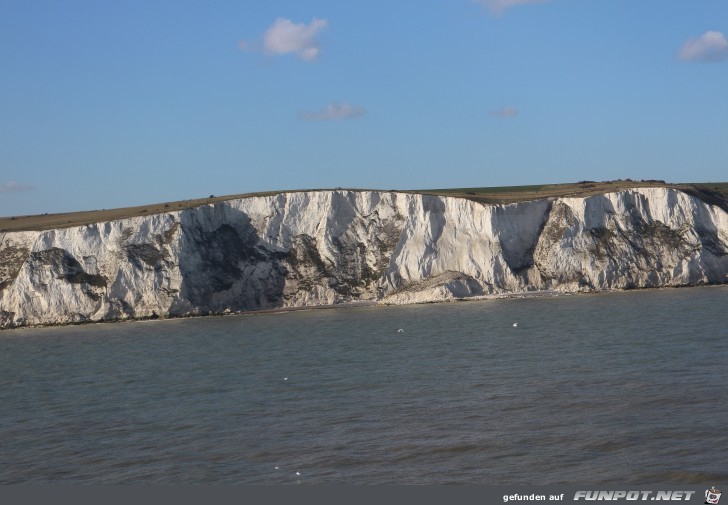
(327, 247)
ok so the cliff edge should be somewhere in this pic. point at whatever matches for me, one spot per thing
(328, 247)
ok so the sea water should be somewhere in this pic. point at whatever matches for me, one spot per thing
(627, 387)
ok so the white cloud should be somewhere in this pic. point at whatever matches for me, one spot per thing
(710, 46)
(334, 111)
(498, 6)
(504, 112)
(285, 36)
(14, 187)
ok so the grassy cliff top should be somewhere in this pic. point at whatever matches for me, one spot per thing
(713, 193)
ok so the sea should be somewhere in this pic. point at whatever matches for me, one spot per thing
(611, 388)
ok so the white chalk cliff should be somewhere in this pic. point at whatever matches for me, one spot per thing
(329, 247)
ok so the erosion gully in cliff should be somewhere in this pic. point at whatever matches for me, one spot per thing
(314, 248)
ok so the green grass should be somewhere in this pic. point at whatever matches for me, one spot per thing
(493, 189)
(714, 193)
(714, 185)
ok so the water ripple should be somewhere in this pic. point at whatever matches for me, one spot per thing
(615, 388)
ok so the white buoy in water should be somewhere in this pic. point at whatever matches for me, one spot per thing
(515, 324)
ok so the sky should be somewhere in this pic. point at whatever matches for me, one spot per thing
(108, 104)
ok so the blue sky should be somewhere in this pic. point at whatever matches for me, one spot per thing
(108, 104)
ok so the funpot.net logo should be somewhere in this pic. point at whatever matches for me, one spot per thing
(671, 495)
(712, 496)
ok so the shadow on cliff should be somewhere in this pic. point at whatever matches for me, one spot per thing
(225, 265)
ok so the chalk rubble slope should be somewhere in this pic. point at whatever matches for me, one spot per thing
(329, 247)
